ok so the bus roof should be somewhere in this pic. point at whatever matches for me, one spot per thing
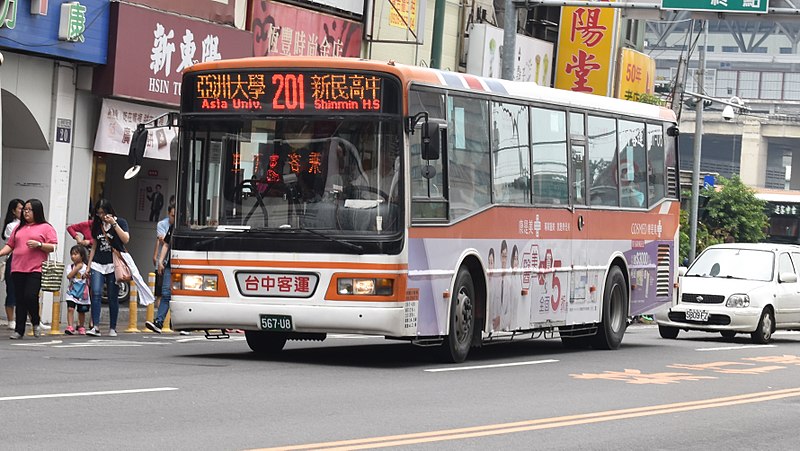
(454, 80)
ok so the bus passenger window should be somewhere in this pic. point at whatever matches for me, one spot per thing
(602, 161)
(632, 164)
(549, 138)
(510, 154)
(467, 155)
(655, 163)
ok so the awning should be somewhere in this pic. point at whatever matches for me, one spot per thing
(118, 120)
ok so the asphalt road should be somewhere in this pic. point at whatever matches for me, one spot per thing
(351, 392)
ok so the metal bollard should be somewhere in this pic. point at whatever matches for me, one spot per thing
(150, 314)
(133, 309)
(165, 327)
(55, 322)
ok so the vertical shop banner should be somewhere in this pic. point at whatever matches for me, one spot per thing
(118, 120)
(637, 73)
(586, 42)
(280, 29)
(149, 50)
(151, 199)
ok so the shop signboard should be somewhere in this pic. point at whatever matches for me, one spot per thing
(35, 29)
(636, 73)
(218, 11)
(484, 58)
(149, 50)
(586, 43)
(280, 29)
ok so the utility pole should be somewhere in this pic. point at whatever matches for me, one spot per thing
(698, 141)
(438, 31)
(509, 40)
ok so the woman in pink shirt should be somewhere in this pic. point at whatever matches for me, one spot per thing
(31, 242)
(85, 230)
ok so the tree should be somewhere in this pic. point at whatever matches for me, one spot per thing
(734, 211)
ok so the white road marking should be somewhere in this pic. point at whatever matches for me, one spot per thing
(91, 343)
(482, 367)
(91, 393)
(731, 348)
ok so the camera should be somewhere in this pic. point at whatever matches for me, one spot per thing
(728, 114)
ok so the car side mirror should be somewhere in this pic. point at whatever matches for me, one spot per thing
(787, 277)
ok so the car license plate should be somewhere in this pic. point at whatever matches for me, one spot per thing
(696, 315)
(278, 323)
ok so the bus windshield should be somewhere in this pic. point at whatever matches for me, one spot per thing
(337, 176)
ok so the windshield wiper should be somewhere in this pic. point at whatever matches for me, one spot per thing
(347, 244)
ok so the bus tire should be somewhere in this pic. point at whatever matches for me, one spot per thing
(462, 319)
(265, 343)
(614, 320)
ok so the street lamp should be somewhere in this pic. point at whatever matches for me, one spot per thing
(732, 107)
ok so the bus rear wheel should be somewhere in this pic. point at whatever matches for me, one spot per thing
(462, 319)
(615, 303)
(265, 343)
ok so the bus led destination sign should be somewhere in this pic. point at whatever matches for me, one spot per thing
(287, 92)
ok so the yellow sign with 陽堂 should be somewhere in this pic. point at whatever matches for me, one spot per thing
(586, 42)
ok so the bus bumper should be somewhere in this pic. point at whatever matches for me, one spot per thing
(369, 320)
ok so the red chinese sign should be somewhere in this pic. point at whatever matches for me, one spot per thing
(277, 284)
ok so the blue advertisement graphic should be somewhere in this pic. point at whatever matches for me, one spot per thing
(38, 33)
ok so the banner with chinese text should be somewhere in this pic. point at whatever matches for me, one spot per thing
(403, 12)
(119, 119)
(636, 74)
(280, 29)
(586, 43)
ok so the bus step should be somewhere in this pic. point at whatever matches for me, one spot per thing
(216, 334)
(306, 336)
(425, 342)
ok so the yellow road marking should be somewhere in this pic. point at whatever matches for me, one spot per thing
(544, 423)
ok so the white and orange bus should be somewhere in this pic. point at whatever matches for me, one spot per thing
(322, 195)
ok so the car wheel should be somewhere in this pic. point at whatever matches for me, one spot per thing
(763, 332)
(462, 319)
(615, 311)
(728, 334)
(265, 343)
(123, 293)
(670, 333)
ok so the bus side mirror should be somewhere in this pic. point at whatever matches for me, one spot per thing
(431, 140)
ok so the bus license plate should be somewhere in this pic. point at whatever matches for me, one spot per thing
(697, 315)
(278, 323)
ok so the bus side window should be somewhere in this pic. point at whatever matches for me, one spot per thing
(428, 202)
(510, 154)
(577, 137)
(469, 179)
(549, 138)
(632, 164)
(603, 188)
(655, 163)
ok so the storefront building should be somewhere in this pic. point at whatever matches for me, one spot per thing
(148, 50)
(48, 121)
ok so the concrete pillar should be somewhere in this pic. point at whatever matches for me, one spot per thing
(754, 155)
(60, 137)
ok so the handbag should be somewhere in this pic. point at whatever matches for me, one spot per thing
(78, 289)
(52, 274)
(121, 270)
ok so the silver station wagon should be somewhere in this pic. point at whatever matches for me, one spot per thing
(737, 288)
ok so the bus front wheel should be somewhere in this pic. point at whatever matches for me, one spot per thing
(265, 343)
(615, 303)
(462, 319)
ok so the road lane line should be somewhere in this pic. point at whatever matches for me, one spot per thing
(731, 348)
(482, 367)
(544, 423)
(90, 393)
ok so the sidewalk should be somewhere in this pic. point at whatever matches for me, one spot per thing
(122, 320)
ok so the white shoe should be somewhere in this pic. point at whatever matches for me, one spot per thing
(93, 332)
(112, 333)
(12, 325)
(185, 332)
(44, 326)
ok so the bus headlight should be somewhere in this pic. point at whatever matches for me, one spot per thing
(366, 287)
(195, 282)
(738, 301)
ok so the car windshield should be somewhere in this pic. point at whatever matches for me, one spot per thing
(728, 263)
(338, 176)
